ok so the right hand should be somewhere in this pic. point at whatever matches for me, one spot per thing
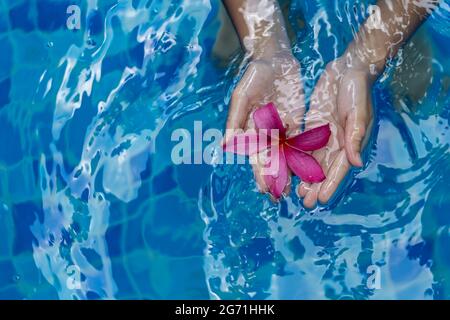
(343, 98)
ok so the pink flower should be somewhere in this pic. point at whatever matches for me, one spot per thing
(288, 152)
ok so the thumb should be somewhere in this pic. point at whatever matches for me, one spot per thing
(237, 113)
(355, 131)
(247, 90)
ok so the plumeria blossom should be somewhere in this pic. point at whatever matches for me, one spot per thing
(287, 152)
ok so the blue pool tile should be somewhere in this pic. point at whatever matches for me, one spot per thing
(183, 277)
(11, 293)
(137, 54)
(95, 23)
(5, 86)
(6, 60)
(185, 174)
(7, 273)
(93, 258)
(3, 21)
(121, 276)
(72, 144)
(113, 238)
(26, 270)
(442, 252)
(134, 239)
(164, 181)
(20, 17)
(115, 62)
(165, 227)
(24, 214)
(297, 249)
(52, 14)
(91, 295)
(139, 272)
(257, 252)
(6, 228)
(31, 54)
(44, 291)
(422, 251)
(11, 150)
(22, 183)
(22, 92)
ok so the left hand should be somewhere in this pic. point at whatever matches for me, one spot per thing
(273, 78)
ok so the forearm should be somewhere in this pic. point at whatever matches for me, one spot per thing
(260, 26)
(390, 25)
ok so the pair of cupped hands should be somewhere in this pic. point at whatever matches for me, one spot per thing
(341, 98)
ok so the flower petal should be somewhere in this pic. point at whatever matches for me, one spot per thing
(275, 173)
(311, 140)
(247, 143)
(267, 117)
(304, 165)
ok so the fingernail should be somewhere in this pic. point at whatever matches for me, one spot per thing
(359, 161)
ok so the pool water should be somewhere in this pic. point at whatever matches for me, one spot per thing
(92, 207)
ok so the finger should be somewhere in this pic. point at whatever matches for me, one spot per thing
(311, 191)
(288, 187)
(310, 199)
(335, 175)
(326, 158)
(355, 111)
(259, 178)
(260, 182)
(303, 189)
(238, 112)
(355, 130)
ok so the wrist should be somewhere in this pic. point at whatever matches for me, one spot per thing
(281, 61)
(374, 43)
(267, 48)
(266, 34)
(369, 57)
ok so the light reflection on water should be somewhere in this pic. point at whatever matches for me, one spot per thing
(108, 201)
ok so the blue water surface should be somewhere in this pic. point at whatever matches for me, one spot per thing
(92, 206)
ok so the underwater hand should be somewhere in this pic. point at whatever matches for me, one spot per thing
(268, 79)
(342, 97)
